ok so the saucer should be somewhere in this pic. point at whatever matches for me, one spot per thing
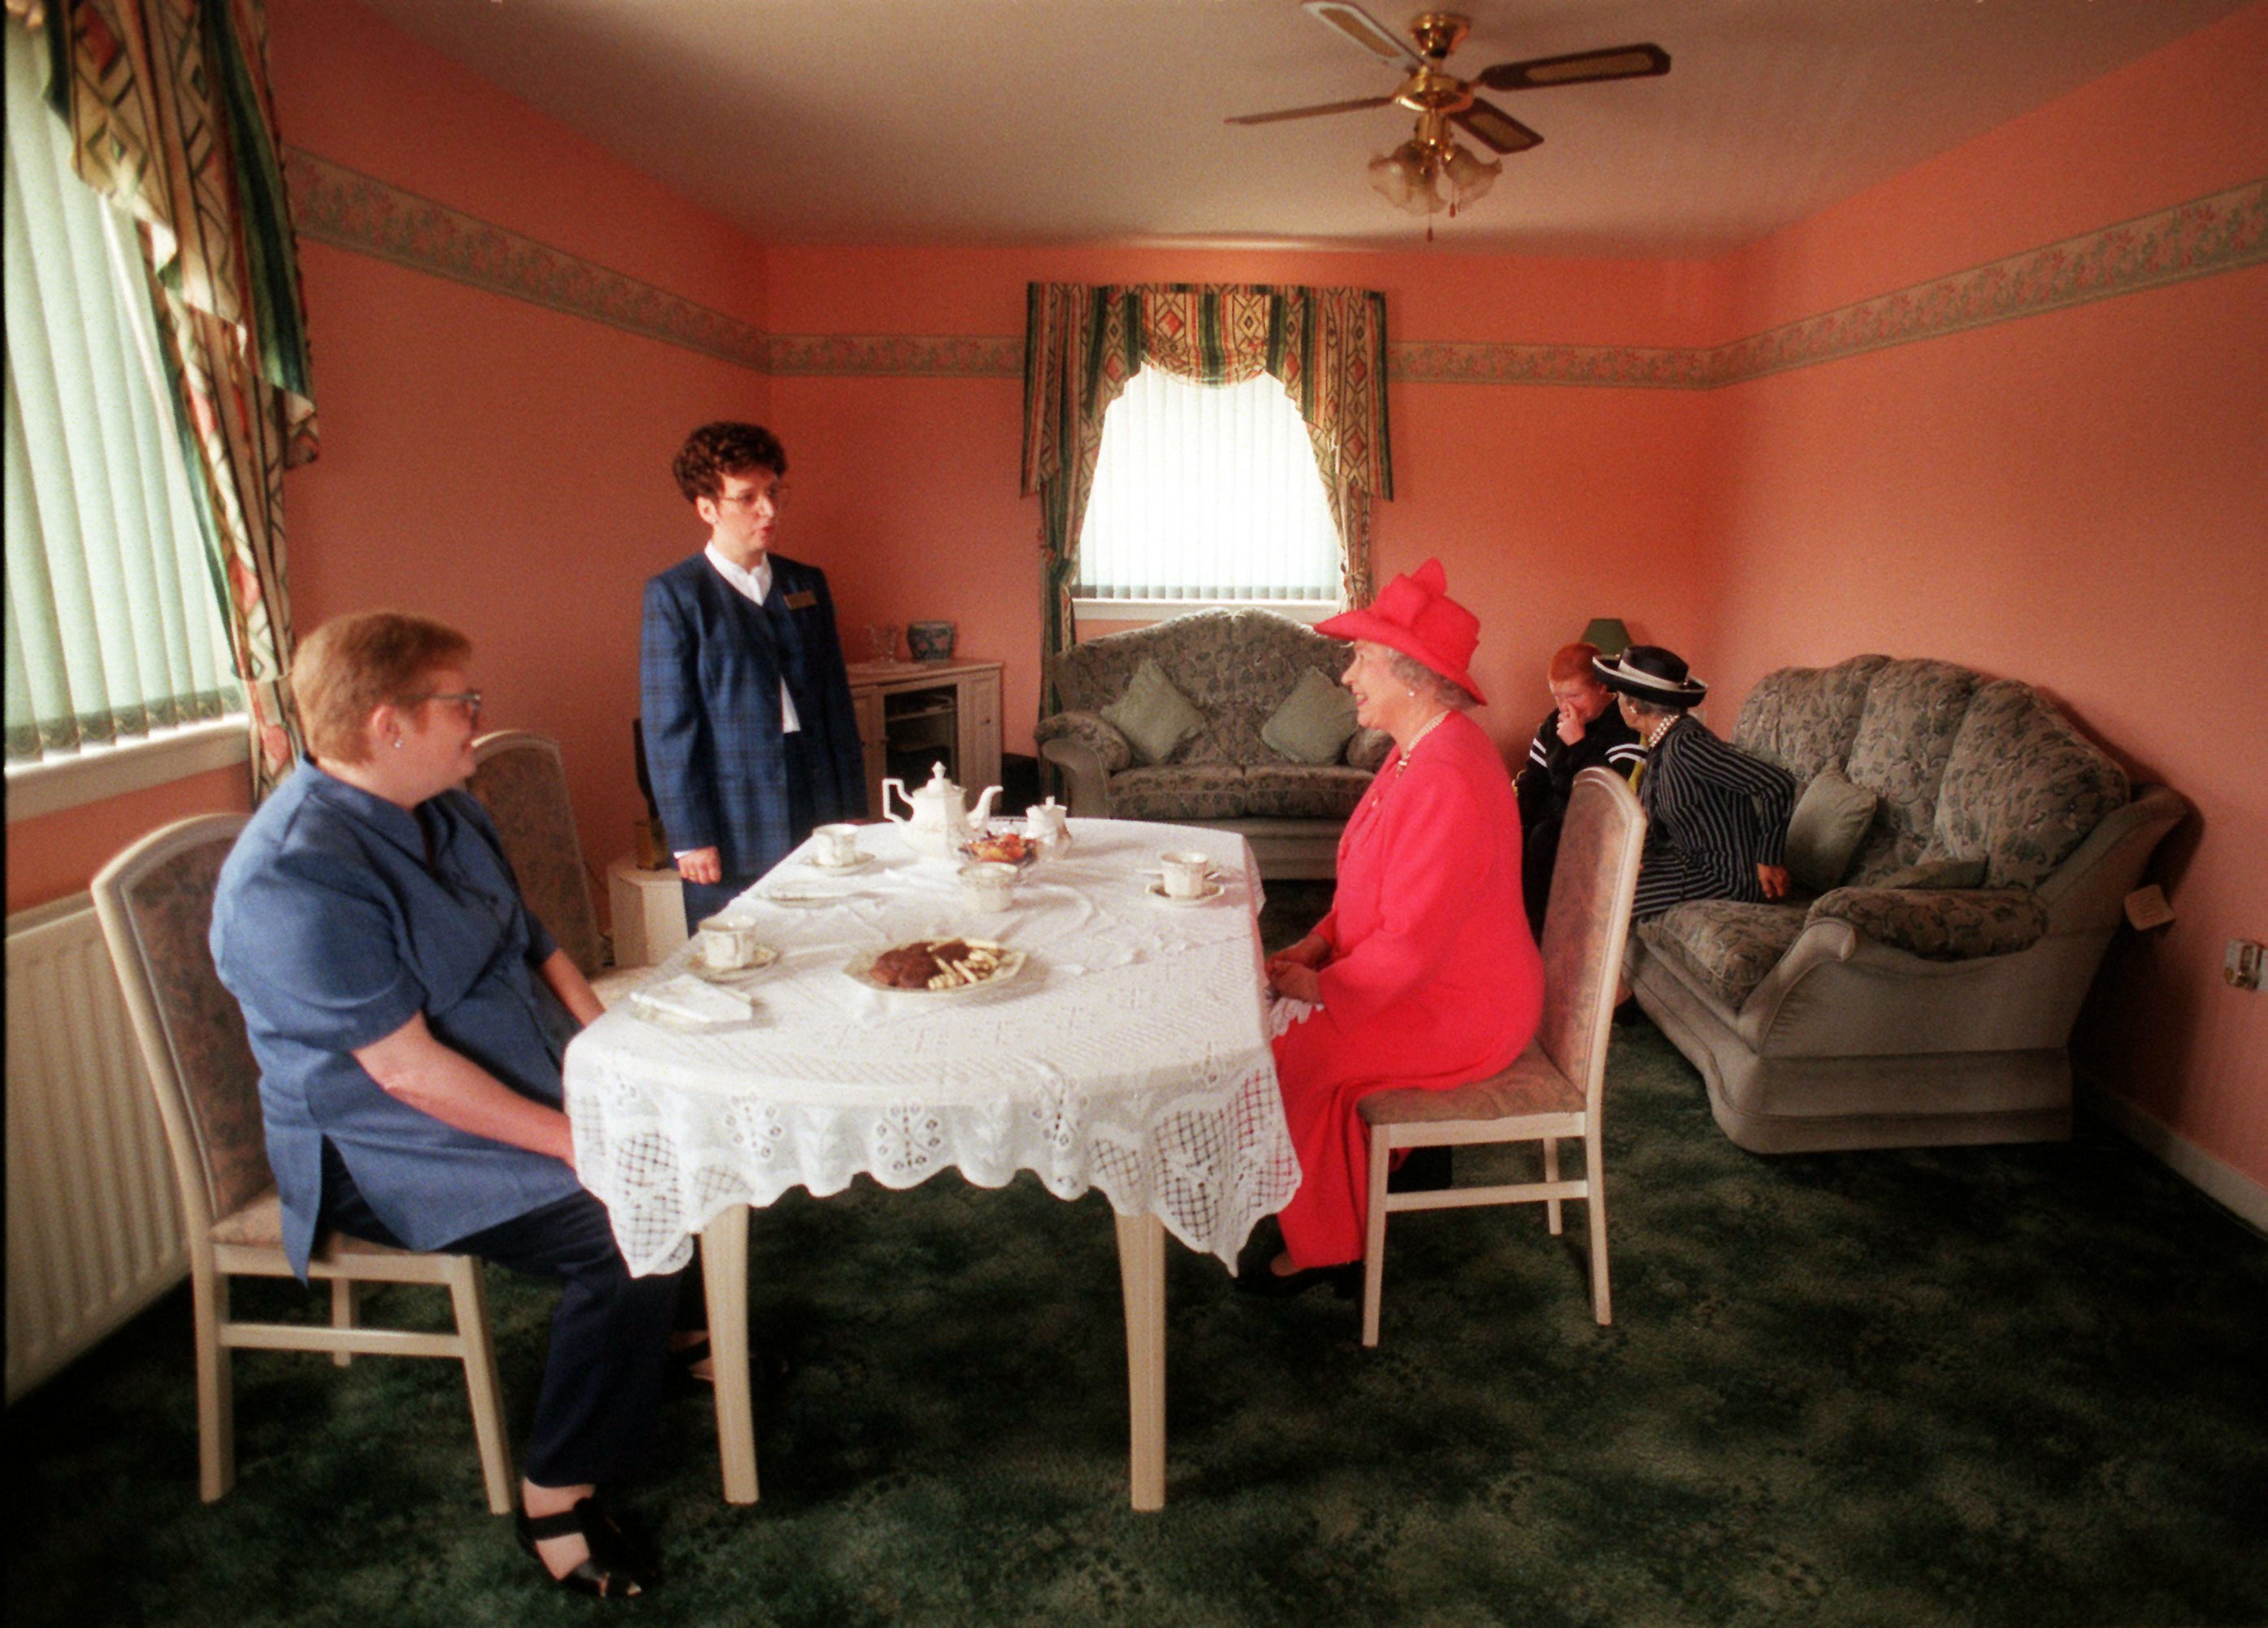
(832, 868)
(1157, 891)
(697, 963)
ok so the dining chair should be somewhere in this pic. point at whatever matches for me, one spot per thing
(155, 901)
(1552, 1089)
(521, 780)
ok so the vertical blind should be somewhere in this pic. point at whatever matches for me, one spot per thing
(114, 618)
(1206, 492)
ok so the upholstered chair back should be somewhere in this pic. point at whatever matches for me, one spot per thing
(2022, 787)
(1586, 922)
(1913, 710)
(1804, 718)
(521, 780)
(155, 901)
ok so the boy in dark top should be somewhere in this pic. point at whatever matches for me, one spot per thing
(1582, 730)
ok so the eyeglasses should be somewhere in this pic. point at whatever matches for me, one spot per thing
(775, 499)
(469, 700)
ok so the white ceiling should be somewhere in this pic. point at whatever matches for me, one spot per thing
(1028, 121)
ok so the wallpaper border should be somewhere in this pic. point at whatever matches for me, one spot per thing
(2225, 231)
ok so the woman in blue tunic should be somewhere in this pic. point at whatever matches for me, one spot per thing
(408, 1014)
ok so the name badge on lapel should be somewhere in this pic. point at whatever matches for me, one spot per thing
(802, 601)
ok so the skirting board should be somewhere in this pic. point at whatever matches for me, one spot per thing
(2225, 1184)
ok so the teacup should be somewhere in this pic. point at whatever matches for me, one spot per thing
(1185, 875)
(838, 844)
(724, 943)
(988, 885)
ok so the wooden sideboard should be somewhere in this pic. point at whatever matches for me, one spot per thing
(912, 715)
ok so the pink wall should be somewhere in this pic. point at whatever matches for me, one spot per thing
(2076, 499)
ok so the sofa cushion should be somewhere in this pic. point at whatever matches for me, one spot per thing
(2022, 789)
(1940, 924)
(1286, 791)
(1829, 821)
(1314, 722)
(1091, 730)
(1727, 946)
(1914, 710)
(1156, 718)
(1234, 666)
(1369, 750)
(1178, 791)
(1803, 718)
(1935, 873)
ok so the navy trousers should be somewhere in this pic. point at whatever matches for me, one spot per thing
(597, 1416)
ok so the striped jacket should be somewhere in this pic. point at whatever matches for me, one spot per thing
(1714, 814)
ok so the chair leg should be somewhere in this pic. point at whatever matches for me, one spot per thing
(346, 1297)
(1373, 1236)
(1551, 1174)
(216, 1403)
(1594, 1178)
(469, 1295)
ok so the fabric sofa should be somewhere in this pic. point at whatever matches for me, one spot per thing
(1887, 1012)
(1235, 668)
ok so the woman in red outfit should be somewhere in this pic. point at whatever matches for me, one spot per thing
(1424, 974)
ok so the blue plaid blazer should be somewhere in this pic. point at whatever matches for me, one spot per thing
(710, 667)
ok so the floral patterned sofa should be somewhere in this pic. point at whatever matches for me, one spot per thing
(1898, 1016)
(1235, 667)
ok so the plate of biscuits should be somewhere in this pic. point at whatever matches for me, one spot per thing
(939, 966)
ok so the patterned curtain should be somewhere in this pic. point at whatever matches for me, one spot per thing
(170, 116)
(1082, 344)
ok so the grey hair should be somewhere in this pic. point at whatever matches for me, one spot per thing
(1417, 676)
(1655, 708)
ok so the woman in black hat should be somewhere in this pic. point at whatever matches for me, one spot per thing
(1716, 818)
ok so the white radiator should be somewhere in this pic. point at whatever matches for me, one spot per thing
(94, 1230)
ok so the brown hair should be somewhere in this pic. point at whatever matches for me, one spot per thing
(1573, 661)
(353, 664)
(721, 449)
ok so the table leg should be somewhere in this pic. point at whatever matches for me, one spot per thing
(725, 1275)
(1142, 1278)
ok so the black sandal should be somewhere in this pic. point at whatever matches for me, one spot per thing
(610, 1571)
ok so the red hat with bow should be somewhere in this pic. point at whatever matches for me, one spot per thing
(1414, 615)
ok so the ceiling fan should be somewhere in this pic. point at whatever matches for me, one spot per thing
(1430, 170)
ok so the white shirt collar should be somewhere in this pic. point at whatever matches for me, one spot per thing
(755, 584)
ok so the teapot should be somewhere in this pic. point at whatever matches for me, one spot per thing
(937, 820)
(1047, 822)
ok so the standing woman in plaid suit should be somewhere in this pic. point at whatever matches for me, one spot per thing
(750, 738)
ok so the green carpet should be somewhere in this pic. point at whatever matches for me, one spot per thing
(1980, 1386)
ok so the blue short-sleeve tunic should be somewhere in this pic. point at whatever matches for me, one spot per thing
(339, 916)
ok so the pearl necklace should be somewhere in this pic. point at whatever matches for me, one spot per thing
(1655, 740)
(1403, 762)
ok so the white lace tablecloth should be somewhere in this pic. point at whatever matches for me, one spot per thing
(1130, 1054)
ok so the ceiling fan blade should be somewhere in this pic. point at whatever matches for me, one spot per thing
(1310, 113)
(1365, 30)
(1496, 128)
(1621, 61)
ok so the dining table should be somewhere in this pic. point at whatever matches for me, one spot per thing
(1126, 1051)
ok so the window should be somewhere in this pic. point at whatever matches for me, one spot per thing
(115, 627)
(1204, 495)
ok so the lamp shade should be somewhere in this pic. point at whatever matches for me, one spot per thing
(1608, 633)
